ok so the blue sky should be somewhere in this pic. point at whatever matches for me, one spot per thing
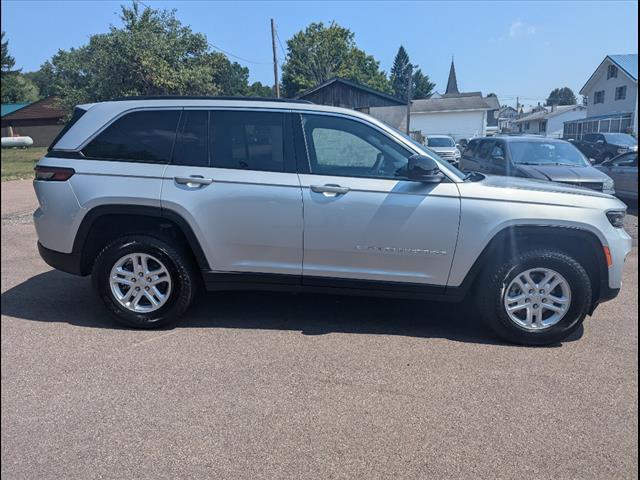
(514, 49)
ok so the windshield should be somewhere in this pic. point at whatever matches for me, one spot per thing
(441, 142)
(546, 153)
(431, 153)
(620, 139)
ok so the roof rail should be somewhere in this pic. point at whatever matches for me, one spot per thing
(208, 97)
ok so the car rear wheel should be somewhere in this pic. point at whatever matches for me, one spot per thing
(537, 298)
(145, 282)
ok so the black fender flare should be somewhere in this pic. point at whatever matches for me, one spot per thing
(142, 210)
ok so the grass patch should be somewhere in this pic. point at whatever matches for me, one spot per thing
(19, 162)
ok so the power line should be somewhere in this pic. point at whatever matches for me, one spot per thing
(238, 57)
(220, 49)
(284, 54)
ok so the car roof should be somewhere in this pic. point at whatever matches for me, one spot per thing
(439, 136)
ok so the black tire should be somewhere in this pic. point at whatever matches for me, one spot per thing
(177, 262)
(497, 278)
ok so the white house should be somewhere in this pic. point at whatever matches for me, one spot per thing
(612, 98)
(458, 114)
(549, 121)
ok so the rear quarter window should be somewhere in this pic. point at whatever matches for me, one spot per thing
(142, 136)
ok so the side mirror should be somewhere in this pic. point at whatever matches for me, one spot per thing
(423, 169)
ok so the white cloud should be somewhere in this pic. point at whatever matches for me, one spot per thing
(520, 29)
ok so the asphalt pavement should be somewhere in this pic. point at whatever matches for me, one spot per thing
(274, 385)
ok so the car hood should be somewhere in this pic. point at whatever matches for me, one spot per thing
(496, 181)
(562, 173)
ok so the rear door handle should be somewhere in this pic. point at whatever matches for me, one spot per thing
(194, 181)
(329, 189)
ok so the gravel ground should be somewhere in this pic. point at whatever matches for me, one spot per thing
(265, 385)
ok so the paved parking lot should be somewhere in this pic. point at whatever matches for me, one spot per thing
(266, 385)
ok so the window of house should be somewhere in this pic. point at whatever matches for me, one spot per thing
(612, 72)
(526, 125)
(621, 92)
(247, 140)
(598, 97)
(143, 136)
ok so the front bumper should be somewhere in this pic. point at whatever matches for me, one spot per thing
(67, 262)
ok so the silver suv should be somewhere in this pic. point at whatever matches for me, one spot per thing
(156, 196)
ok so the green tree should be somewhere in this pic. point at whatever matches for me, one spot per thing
(422, 86)
(16, 88)
(257, 89)
(153, 53)
(400, 72)
(44, 79)
(7, 61)
(561, 96)
(320, 53)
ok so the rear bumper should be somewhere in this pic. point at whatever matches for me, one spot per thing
(67, 262)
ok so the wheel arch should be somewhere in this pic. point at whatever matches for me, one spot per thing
(96, 230)
(583, 245)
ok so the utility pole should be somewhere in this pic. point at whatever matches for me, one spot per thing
(275, 59)
(409, 84)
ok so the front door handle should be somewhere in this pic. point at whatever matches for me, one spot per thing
(194, 181)
(329, 190)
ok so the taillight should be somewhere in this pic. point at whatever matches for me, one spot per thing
(54, 174)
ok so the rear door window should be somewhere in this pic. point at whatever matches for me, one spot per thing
(143, 136)
(191, 144)
(247, 140)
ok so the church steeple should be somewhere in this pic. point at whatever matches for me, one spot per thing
(452, 83)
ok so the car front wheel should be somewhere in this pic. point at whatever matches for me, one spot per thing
(144, 282)
(536, 298)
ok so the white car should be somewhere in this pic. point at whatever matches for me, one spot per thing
(445, 146)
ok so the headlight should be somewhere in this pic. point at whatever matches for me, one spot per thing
(608, 185)
(616, 218)
(456, 154)
(621, 150)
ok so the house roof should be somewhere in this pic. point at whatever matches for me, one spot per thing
(627, 63)
(352, 84)
(493, 102)
(7, 108)
(449, 104)
(545, 114)
(47, 108)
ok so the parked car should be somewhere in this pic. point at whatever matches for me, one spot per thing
(534, 157)
(156, 196)
(445, 146)
(604, 146)
(623, 169)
